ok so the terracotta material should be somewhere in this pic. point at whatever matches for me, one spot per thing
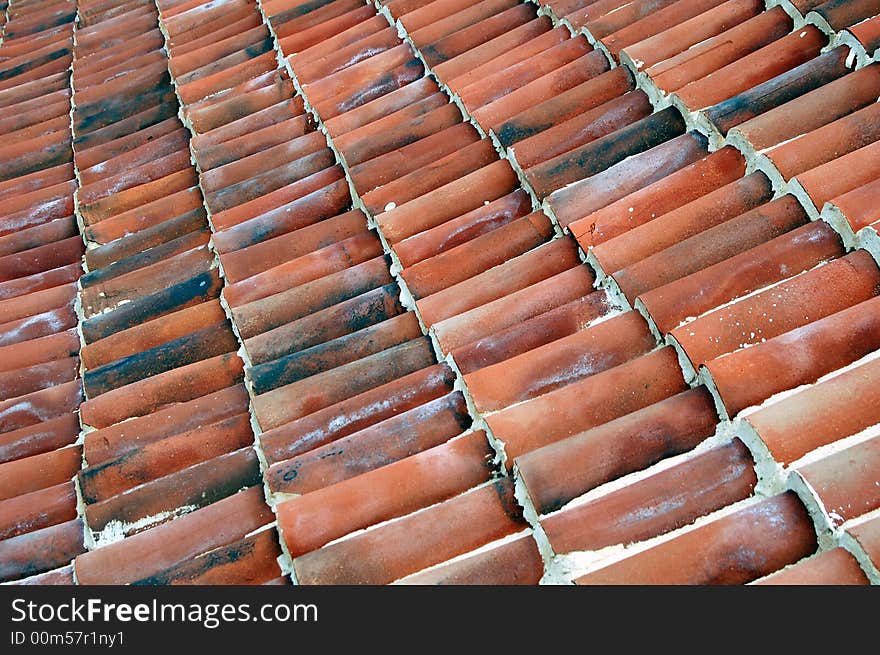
(585, 197)
(868, 536)
(359, 411)
(39, 437)
(431, 476)
(177, 385)
(562, 471)
(516, 562)
(532, 333)
(482, 220)
(299, 399)
(695, 294)
(378, 445)
(823, 346)
(196, 486)
(248, 561)
(656, 504)
(846, 480)
(385, 554)
(148, 553)
(41, 550)
(780, 89)
(738, 548)
(560, 362)
(832, 567)
(150, 460)
(39, 405)
(101, 446)
(841, 284)
(477, 255)
(37, 510)
(816, 416)
(59, 346)
(587, 403)
(841, 175)
(521, 305)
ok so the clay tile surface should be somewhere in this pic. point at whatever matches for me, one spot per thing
(400, 273)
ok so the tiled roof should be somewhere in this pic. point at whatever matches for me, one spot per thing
(439, 292)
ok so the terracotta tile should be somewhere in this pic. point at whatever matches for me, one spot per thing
(154, 215)
(656, 504)
(40, 405)
(37, 472)
(60, 207)
(41, 550)
(431, 476)
(822, 346)
(532, 333)
(814, 416)
(61, 576)
(477, 255)
(426, 30)
(40, 376)
(101, 446)
(846, 481)
(712, 246)
(151, 111)
(516, 562)
(442, 171)
(738, 548)
(269, 181)
(298, 399)
(521, 305)
(859, 206)
(36, 180)
(59, 346)
(358, 411)
(510, 41)
(583, 198)
(678, 27)
(37, 302)
(661, 197)
(150, 552)
(400, 128)
(867, 534)
(376, 87)
(287, 113)
(308, 267)
(561, 362)
(345, 317)
(695, 294)
(604, 152)
(562, 471)
(336, 352)
(39, 325)
(237, 20)
(516, 74)
(841, 175)
(37, 510)
(184, 294)
(493, 114)
(324, 202)
(754, 68)
(261, 92)
(225, 79)
(39, 437)
(562, 107)
(381, 444)
(196, 486)
(277, 310)
(380, 107)
(248, 561)
(68, 249)
(290, 16)
(868, 34)
(832, 567)
(587, 403)
(460, 230)
(340, 53)
(137, 196)
(477, 33)
(820, 293)
(812, 111)
(417, 541)
(150, 460)
(713, 54)
(224, 152)
(299, 41)
(360, 75)
(140, 338)
(177, 385)
(840, 16)
(219, 54)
